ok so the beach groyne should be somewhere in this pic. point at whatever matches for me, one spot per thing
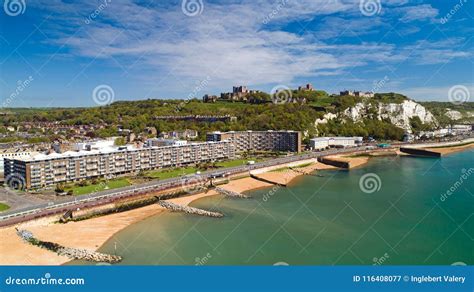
(304, 172)
(334, 162)
(229, 193)
(72, 253)
(420, 152)
(189, 210)
(267, 180)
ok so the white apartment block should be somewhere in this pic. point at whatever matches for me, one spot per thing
(46, 170)
(321, 143)
(260, 140)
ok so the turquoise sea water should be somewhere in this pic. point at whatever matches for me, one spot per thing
(324, 221)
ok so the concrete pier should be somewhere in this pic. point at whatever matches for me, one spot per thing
(334, 162)
(190, 210)
(420, 152)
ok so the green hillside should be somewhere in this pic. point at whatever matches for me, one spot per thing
(257, 115)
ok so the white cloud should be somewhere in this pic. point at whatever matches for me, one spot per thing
(233, 43)
(419, 13)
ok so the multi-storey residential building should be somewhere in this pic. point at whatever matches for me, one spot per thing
(45, 170)
(14, 154)
(260, 140)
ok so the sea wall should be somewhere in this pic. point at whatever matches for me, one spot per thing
(266, 180)
(419, 152)
(443, 144)
(291, 164)
(334, 162)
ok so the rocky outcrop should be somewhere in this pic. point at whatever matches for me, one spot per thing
(190, 210)
(325, 119)
(453, 115)
(399, 114)
(72, 253)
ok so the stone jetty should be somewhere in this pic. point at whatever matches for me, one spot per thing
(190, 210)
(228, 193)
(72, 253)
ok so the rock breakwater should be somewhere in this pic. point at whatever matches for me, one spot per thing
(190, 210)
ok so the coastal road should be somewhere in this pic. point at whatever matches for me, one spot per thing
(108, 196)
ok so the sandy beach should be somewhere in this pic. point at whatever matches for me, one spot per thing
(452, 149)
(354, 161)
(88, 234)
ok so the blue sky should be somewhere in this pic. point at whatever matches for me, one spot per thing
(175, 49)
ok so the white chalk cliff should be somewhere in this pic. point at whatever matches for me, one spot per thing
(399, 114)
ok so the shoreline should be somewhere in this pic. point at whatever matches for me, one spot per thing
(93, 233)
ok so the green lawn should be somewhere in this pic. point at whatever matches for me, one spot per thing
(169, 173)
(112, 184)
(236, 162)
(175, 172)
(4, 207)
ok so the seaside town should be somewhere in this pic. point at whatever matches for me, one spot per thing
(297, 145)
(78, 177)
(77, 157)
